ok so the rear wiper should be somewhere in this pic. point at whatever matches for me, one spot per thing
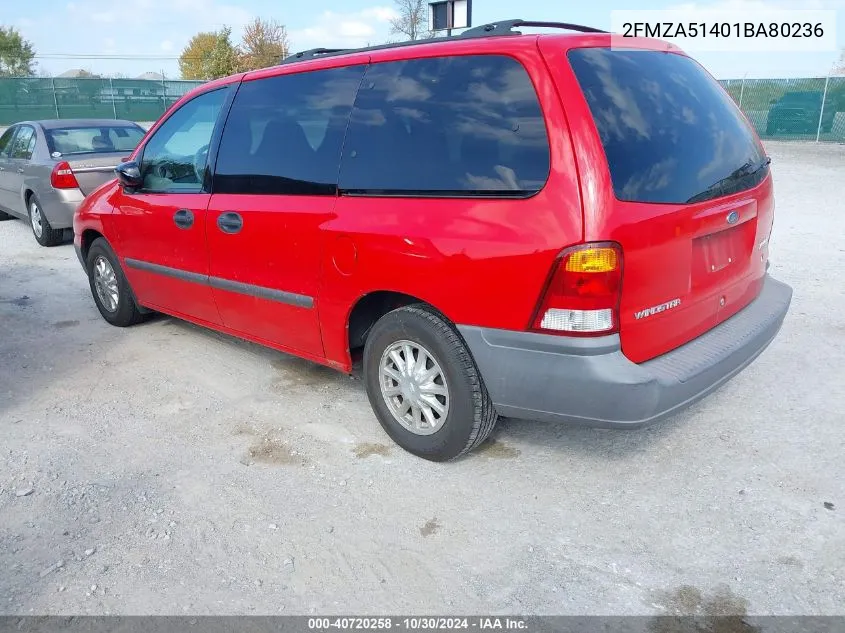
(722, 187)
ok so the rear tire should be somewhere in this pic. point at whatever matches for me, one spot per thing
(109, 287)
(41, 229)
(5, 216)
(441, 364)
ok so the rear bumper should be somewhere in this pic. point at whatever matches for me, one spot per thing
(59, 206)
(590, 381)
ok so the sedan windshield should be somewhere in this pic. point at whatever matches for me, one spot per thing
(93, 140)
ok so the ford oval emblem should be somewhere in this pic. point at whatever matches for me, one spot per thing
(733, 217)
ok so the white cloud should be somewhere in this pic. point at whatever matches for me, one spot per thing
(345, 30)
(104, 17)
(166, 46)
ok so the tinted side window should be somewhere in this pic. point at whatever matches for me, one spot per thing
(24, 143)
(5, 140)
(175, 157)
(283, 134)
(468, 125)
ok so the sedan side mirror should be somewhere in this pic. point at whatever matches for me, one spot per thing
(129, 174)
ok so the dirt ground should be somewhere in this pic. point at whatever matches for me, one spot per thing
(165, 469)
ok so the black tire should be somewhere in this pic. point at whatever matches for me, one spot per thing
(5, 216)
(126, 312)
(49, 236)
(471, 415)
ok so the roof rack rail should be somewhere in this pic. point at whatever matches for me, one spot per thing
(506, 27)
(311, 53)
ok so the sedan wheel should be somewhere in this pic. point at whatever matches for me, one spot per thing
(36, 220)
(41, 229)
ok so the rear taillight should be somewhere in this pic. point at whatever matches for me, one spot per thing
(62, 177)
(582, 295)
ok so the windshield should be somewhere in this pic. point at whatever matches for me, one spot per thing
(670, 133)
(93, 140)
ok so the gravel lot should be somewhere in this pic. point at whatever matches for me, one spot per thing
(165, 469)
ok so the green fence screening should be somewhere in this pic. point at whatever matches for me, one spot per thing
(60, 98)
(792, 108)
(778, 108)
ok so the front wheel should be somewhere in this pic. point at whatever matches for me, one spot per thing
(41, 229)
(424, 386)
(109, 286)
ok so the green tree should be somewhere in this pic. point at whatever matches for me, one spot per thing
(193, 62)
(16, 54)
(224, 56)
(264, 43)
(209, 55)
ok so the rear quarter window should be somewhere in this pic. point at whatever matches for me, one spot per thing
(668, 129)
(446, 126)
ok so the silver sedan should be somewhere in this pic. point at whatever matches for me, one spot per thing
(48, 167)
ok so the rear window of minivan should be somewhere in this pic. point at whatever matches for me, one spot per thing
(670, 133)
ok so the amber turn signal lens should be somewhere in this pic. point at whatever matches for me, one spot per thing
(592, 260)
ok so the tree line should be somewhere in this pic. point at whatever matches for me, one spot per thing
(210, 55)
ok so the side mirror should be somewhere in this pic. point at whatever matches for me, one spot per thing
(129, 174)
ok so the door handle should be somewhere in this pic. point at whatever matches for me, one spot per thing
(184, 218)
(230, 222)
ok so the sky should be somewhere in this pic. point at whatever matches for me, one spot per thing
(79, 33)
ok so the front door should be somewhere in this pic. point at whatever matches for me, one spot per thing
(275, 186)
(17, 161)
(162, 226)
(7, 200)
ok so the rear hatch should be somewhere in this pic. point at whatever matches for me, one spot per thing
(692, 205)
(92, 170)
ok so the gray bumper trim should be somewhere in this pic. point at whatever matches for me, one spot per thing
(590, 381)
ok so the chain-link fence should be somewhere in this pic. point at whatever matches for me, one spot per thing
(807, 108)
(62, 98)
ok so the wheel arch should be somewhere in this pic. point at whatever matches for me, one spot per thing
(370, 307)
(88, 237)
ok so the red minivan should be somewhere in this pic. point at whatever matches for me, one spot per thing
(542, 226)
